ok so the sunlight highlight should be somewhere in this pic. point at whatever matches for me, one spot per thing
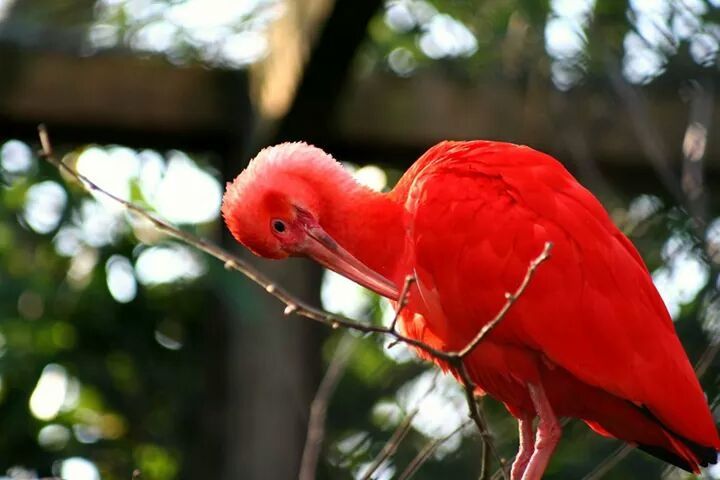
(77, 468)
(683, 275)
(15, 156)
(187, 194)
(53, 436)
(49, 394)
(565, 40)
(224, 33)
(5, 8)
(343, 296)
(120, 279)
(168, 264)
(111, 169)
(441, 405)
(44, 206)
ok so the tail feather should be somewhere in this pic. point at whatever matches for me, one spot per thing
(687, 454)
(669, 457)
(615, 417)
(700, 456)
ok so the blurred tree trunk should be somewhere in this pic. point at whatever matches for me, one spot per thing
(274, 368)
(273, 361)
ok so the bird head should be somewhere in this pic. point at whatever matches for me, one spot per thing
(275, 209)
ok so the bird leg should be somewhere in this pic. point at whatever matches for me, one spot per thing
(527, 447)
(547, 437)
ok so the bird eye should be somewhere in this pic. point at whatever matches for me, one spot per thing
(279, 226)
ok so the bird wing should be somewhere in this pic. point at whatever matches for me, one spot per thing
(477, 213)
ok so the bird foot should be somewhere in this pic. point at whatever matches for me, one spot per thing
(526, 449)
(547, 436)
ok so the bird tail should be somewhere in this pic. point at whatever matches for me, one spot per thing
(686, 454)
(656, 439)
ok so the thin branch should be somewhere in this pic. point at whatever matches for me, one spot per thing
(469, 387)
(609, 463)
(411, 415)
(318, 409)
(403, 300)
(623, 451)
(392, 445)
(690, 195)
(650, 140)
(294, 305)
(233, 262)
(511, 298)
(428, 450)
(707, 358)
(485, 460)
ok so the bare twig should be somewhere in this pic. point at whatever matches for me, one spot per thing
(478, 418)
(318, 409)
(485, 457)
(400, 432)
(294, 305)
(403, 300)
(510, 298)
(707, 358)
(688, 191)
(651, 141)
(233, 262)
(392, 445)
(425, 453)
(401, 304)
(609, 463)
(624, 450)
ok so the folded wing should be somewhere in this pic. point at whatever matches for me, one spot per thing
(479, 212)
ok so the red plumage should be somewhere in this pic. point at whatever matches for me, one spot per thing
(590, 337)
(591, 326)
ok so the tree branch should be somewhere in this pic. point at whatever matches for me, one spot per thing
(391, 445)
(425, 453)
(510, 298)
(402, 301)
(318, 409)
(293, 305)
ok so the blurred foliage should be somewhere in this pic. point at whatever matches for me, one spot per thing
(567, 41)
(131, 372)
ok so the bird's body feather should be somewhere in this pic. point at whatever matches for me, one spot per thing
(591, 325)
(590, 336)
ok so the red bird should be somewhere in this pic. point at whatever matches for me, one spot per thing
(590, 338)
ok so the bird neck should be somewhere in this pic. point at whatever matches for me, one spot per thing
(369, 225)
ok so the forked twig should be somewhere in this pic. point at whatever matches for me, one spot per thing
(293, 305)
(402, 301)
(510, 299)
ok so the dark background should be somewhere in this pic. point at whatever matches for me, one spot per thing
(121, 349)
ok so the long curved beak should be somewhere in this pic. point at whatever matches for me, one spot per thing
(322, 248)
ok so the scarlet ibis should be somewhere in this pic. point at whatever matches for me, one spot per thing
(590, 338)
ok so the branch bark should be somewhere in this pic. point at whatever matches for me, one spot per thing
(294, 305)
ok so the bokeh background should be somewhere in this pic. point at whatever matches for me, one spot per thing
(123, 350)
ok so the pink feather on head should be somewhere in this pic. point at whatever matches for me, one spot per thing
(276, 183)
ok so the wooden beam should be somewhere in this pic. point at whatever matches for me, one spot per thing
(416, 112)
(120, 98)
